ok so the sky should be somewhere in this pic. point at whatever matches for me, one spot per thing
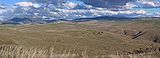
(72, 9)
(10, 2)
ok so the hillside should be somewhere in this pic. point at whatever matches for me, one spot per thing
(94, 37)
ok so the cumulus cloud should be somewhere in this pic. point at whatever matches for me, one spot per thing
(3, 9)
(36, 5)
(142, 4)
(123, 4)
(28, 4)
(72, 9)
(5, 12)
(70, 5)
(148, 4)
(129, 5)
(107, 3)
(73, 14)
(24, 4)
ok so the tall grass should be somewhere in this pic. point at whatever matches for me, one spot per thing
(13, 51)
(8, 51)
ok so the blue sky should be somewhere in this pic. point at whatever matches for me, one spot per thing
(10, 2)
(75, 9)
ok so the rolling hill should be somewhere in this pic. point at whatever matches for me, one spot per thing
(97, 37)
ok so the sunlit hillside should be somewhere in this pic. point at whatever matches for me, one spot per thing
(92, 37)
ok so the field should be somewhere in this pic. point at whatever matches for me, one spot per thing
(81, 39)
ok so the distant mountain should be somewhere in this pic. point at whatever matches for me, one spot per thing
(17, 20)
(22, 20)
(104, 18)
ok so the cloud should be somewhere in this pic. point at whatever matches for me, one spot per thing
(24, 4)
(107, 3)
(36, 5)
(3, 9)
(55, 2)
(3, 13)
(72, 9)
(28, 4)
(73, 14)
(70, 5)
(129, 5)
(142, 4)
(148, 4)
(2, 6)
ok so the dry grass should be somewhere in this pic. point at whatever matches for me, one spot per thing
(13, 51)
(81, 40)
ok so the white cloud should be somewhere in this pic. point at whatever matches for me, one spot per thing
(141, 4)
(148, 4)
(24, 4)
(71, 14)
(43, 10)
(129, 5)
(28, 4)
(2, 11)
(36, 5)
(70, 5)
(2, 7)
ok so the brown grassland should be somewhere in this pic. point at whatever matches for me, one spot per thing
(92, 39)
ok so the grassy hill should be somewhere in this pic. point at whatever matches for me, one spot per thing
(94, 37)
